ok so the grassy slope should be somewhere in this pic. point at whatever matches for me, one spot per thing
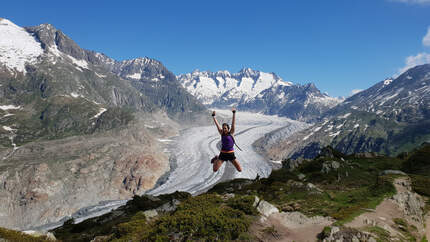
(346, 193)
(11, 235)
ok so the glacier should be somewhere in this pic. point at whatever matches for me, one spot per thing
(191, 152)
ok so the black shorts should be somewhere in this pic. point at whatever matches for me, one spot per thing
(226, 156)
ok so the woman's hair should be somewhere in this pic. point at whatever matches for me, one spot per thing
(226, 124)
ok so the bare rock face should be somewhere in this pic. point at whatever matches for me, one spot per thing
(45, 181)
(397, 214)
(266, 209)
(328, 166)
(409, 202)
(290, 226)
(347, 234)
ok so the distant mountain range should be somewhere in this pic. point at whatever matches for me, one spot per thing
(258, 91)
(390, 117)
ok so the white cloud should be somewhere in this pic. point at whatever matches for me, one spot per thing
(412, 1)
(411, 61)
(426, 39)
(355, 91)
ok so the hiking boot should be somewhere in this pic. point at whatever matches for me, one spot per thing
(214, 159)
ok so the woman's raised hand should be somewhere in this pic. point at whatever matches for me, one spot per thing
(213, 113)
(233, 110)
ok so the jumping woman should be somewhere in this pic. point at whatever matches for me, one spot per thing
(227, 140)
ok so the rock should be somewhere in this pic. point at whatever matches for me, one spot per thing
(410, 202)
(328, 166)
(227, 196)
(266, 209)
(102, 238)
(256, 201)
(291, 164)
(50, 236)
(295, 220)
(346, 234)
(150, 214)
(36, 234)
(355, 239)
(295, 184)
(312, 188)
(168, 207)
(371, 239)
(296, 206)
(176, 236)
(301, 176)
(287, 208)
(335, 229)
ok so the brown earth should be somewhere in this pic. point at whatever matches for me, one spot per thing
(289, 227)
(390, 209)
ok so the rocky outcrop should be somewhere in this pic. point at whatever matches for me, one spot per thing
(290, 226)
(337, 234)
(328, 166)
(46, 181)
(411, 204)
(399, 216)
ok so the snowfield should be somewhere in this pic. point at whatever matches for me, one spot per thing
(17, 46)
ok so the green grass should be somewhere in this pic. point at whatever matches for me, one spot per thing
(12, 235)
(346, 193)
(405, 228)
(108, 224)
(421, 184)
(205, 217)
(382, 234)
(419, 161)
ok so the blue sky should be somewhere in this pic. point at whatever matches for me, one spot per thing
(340, 45)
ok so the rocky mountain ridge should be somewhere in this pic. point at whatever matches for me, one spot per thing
(259, 92)
(389, 118)
(75, 128)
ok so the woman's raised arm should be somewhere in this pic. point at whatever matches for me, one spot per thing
(233, 123)
(216, 123)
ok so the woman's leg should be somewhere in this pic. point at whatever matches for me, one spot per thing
(217, 165)
(237, 165)
(214, 159)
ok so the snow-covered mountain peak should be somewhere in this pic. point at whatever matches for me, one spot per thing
(17, 46)
(4, 21)
(248, 72)
(223, 73)
(213, 87)
(140, 62)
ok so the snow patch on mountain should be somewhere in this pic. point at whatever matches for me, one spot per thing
(7, 107)
(387, 82)
(17, 46)
(79, 63)
(135, 76)
(101, 111)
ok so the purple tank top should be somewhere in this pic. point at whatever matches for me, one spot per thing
(227, 143)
